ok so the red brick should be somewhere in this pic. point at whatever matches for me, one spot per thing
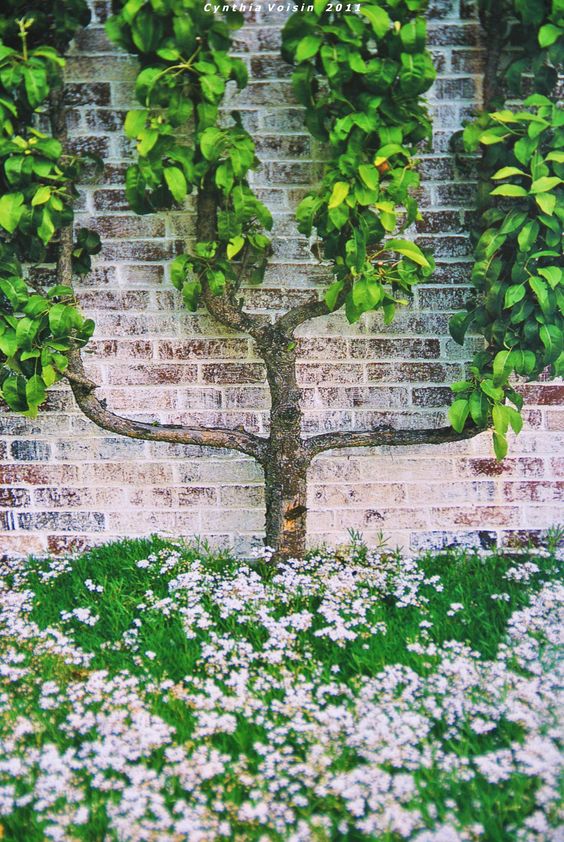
(149, 375)
(232, 373)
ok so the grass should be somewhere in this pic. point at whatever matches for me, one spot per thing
(352, 696)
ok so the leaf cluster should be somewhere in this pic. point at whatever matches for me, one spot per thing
(39, 322)
(518, 303)
(532, 33)
(182, 141)
(361, 78)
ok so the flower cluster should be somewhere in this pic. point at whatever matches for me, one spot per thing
(342, 696)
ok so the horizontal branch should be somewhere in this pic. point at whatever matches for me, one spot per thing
(385, 438)
(217, 437)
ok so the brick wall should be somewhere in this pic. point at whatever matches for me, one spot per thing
(65, 484)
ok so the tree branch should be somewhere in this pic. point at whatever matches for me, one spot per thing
(293, 318)
(385, 438)
(225, 308)
(83, 388)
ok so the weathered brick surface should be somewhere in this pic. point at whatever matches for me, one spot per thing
(64, 484)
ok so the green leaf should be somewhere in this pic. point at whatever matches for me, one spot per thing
(546, 202)
(13, 392)
(332, 294)
(552, 274)
(500, 418)
(505, 172)
(234, 246)
(35, 391)
(147, 140)
(509, 190)
(555, 155)
(551, 338)
(458, 325)
(379, 19)
(549, 34)
(458, 414)
(211, 143)
(178, 269)
(191, 295)
(135, 123)
(11, 209)
(502, 367)
(46, 229)
(42, 195)
(513, 221)
(528, 235)
(176, 183)
(213, 87)
(513, 295)
(339, 194)
(500, 446)
(36, 87)
(409, 250)
(8, 343)
(479, 408)
(366, 295)
(370, 175)
(515, 419)
(544, 184)
(308, 47)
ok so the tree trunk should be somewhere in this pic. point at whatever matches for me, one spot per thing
(285, 474)
(286, 461)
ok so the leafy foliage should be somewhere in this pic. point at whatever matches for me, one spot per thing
(55, 22)
(534, 30)
(361, 78)
(185, 67)
(518, 303)
(39, 323)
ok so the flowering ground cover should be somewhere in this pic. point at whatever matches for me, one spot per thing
(157, 692)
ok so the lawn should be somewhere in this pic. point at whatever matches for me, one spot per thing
(155, 691)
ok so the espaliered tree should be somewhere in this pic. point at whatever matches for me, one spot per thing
(361, 77)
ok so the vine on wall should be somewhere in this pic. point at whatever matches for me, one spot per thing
(518, 299)
(361, 78)
(39, 322)
(185, 66)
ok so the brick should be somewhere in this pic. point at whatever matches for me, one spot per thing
(96, 93)
(110, 200)
(414, 372)
(232, 373)
(543, 394)
(118, 227)
(533, 491)
(189, 497)
(30, 451)
(62, 521)
(438, 539)
(38, 474)
(14, 498)
(203, 349)
(63, 544)
(64, 498)
(482, 516)
(375, 349)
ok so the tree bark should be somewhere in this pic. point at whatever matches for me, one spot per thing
(287, 461)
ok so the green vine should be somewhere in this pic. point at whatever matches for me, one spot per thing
(39, 322)
(533, 34)
(185, 67)
(361, 78)
(518, 299)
